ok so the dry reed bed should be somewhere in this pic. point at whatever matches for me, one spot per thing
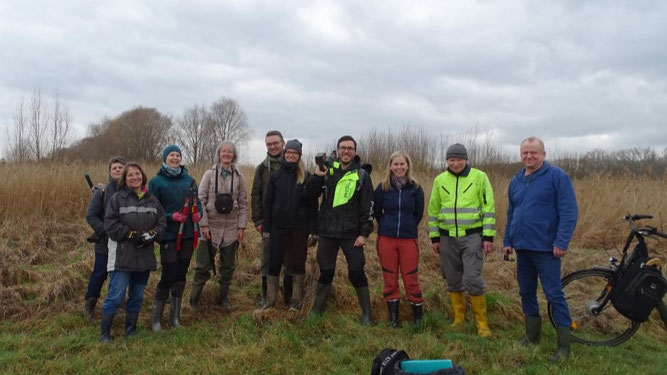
(46, 261)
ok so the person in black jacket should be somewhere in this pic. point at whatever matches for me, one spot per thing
(288, 218)
(134, 220)
(345, 221)
(95, 218)
(399, 207)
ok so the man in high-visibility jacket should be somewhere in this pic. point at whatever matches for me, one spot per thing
(462, 224)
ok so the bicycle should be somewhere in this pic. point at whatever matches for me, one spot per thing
(595, 321)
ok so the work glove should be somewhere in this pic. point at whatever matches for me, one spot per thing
(266, 234)
(148, 237)
(196, 217)
(179, 217)
(135, 238)
(312, 240)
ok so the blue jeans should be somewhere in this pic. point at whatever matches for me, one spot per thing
(98, 276)
(119, 281)
(542, 264)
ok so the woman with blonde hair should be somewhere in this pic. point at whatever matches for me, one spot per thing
(289, 217)
(222, 193)
(399, 207)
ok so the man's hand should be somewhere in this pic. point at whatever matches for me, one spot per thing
(260, 229)
(312, 240)
(507, 250)
(558, 252)
(436, 247)
(206, 232)
(487, 246)
(239, 234)
(360, 241)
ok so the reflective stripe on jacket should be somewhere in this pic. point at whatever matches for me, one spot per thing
(460, 203)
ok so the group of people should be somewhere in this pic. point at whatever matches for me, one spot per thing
(334, 208)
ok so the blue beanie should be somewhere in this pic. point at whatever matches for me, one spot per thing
(168, 150)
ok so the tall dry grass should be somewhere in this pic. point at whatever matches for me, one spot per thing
(46, 261)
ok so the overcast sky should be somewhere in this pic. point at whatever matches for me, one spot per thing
(579, 74)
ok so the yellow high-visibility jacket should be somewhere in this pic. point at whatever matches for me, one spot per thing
(460, 203)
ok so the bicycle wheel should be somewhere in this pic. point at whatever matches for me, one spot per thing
(592, 325)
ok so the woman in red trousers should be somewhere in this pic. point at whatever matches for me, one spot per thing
(399, 207)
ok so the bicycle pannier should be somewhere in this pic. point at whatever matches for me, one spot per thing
(638, 290)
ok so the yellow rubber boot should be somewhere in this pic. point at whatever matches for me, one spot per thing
(459, 307)
(479, 308)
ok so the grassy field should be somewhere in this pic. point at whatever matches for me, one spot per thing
(46, 263)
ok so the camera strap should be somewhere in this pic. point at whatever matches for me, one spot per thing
(216, 180)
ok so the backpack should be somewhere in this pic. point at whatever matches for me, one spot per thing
(639, 289)
(388, 362)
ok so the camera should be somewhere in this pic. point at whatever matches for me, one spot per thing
(322, 160)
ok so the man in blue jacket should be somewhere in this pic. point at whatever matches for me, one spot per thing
(541, 217)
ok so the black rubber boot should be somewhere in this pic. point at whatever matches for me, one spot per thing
(662, 309)
(364, 297)
(158, 310)
(321, 296)
(105, 325)
(131, 324)
(262, 302)
(563, 352)
(393, 307)
(287, 289)
(533, 330)
(417, 313)
(89, 308)
(222, 297)
(175, 312)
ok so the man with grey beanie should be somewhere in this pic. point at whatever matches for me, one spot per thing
(462, 224)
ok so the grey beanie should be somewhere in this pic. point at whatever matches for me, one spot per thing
(457, 150)
(293, 144)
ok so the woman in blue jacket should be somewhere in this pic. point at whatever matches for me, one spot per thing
(171, 186)
(399, 207)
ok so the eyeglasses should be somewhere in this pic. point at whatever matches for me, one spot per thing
(272, 144)
(290, 152)
(346, 148)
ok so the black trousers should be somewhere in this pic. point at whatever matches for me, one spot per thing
(327, 252)
(288, 246)
(174, 268)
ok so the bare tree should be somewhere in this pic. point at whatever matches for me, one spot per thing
(140, 133)
(193, 129)
(60, 125)
(18, 139)
(228, 122)
(37, 125)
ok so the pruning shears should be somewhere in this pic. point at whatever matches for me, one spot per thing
(190, 199)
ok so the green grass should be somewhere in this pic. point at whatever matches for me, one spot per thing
(332, 344)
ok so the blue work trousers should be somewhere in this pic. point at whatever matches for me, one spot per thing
(542, 264)
(98, 276)
(119, 282)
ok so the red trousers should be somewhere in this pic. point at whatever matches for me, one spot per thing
(400, 254)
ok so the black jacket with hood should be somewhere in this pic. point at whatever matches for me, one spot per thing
(285, 204)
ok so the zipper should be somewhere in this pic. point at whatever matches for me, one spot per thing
(447, 191)
(456, 215)
(464, 191)
(398, 229)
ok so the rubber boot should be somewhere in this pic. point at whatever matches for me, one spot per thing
(662, 309)
(271, 291)
(458, 307)
(175, 312)
(321, 296)
(479, 308)
(533, 330)
(262, 302)
(287, 289)
(297, 292)
(158, 310)
(222, 297)
(417, 313)
(393, 307)
(364, 297)
(89, 308)
(195, 295)
(131, 324)
(105, 325)
(563, 337)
